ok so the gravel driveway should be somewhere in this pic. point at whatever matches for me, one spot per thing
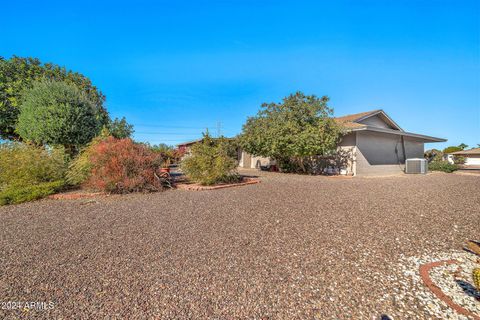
(291, 247)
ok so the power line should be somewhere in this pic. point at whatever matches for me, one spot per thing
(167, 126)
(168, 133)
(164, 140)
(219, 125)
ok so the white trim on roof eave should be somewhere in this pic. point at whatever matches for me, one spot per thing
(384, 114)
(400, 133)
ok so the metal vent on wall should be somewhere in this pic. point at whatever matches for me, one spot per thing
(416, 165)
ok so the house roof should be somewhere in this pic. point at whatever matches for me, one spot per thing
(354, 117)
(189, 142)
(473, 151)
(352, 122)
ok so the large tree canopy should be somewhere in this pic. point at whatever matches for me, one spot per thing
(300, 126)
(120, 128)
(18, 74)
(58, 113)
(451, 149)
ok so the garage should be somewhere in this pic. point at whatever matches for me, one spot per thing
(472, 158)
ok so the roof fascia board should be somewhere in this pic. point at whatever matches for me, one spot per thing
(400, 133)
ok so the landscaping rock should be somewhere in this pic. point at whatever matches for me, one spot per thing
(291, 247)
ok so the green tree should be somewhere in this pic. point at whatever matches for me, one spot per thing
(58, 113)
(162, 148)
(433, 155)
(18, 74)
(230, 145)
(463, 146)
(452, 149)
(299, 127)
(209, 163)
(120, 128)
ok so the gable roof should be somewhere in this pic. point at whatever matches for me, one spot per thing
(467, 152)
(354, 117)
(352, 121)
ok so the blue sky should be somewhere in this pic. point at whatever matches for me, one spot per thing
(174, 68)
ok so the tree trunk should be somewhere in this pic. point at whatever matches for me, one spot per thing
(302, 165)
(70, 150)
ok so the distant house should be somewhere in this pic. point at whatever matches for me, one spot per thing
(472, 157)
(185, 147)
(374, 144)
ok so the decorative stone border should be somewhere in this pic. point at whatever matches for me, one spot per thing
(424, 274)
(199, 187)
(178, 185)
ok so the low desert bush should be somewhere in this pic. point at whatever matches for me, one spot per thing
(23, 193)
(80, 168)
(122, 166)
(444, 166)
(29, 172)
(459, 160)
(24, 164)
(209, 163)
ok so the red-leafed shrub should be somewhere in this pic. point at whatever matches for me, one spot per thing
(122, 166)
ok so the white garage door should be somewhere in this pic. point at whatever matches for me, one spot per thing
(472, 161)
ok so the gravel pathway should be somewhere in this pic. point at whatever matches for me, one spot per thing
(291, 247)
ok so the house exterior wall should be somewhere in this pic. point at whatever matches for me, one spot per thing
(259, 161)
(241, 158)
(251, 162)
(382, 154)
(414, 148)
(347, 147)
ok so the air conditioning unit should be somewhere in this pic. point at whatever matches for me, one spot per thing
(416, 165)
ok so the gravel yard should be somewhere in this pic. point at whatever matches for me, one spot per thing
(290, 247)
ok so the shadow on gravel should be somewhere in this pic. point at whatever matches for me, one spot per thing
(469, 289)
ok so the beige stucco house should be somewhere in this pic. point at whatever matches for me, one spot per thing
(472, 158)
(375, 145)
